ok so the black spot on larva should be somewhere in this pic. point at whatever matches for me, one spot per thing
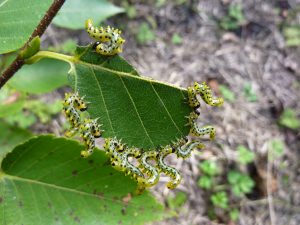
(74, 172)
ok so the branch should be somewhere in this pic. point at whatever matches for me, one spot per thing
(39, 30)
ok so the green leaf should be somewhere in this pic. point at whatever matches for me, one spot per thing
(176, 39)
(245, 156)
(227, 93)
(11, 102)
(42, 77)
(249, 93)
(292, 35)
(241, 183)
(145, 34)
(234, 214)
(220, 199)
(177, 201)
(18, 19)
(44, 111)
(74, 13)
(21, 119)
(10, 136)
(289, 119)
(235, 11)
(205, 182)
(276, 148)
(45, 181)
(209, 167)
(140, 111)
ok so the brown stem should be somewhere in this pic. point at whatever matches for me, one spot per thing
(39, 30)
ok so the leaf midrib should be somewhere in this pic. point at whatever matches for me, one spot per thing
(60, 188)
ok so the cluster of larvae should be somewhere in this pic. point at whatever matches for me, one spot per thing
(150, 162)
(89, 129)
(108, 40)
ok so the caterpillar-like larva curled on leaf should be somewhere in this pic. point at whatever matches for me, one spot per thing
(89, 130)
(119, 158)
(168, 170)
(151, 171)
(205, 92)
(109, 40)
(73, 100)
(112, 147)
(185, 150)
(73, 117)
(192, 98)
(200, 131)
(130, 168)
(89, 142)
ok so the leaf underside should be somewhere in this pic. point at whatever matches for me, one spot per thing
(142, 112)
(44, 181)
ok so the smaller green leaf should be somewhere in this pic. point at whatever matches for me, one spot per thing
(227, 93)
(44, 76)
(228, 23)
(245, 156)
(11, 102)
(292, 35)
(73, 13)
(21, 119)
(18, 19)
(241, 183)
(289, 119)
(32, 48)
(131, 11)
(220, 199)
(276, 148)
(176, 39)
(177, 201)
(44, 111)
(205, 182)
(249, 93)
(209, 167)
(47, 182)
(145, 34)
(160, 3)
(11, 136)
(234, 214)
(235, 11)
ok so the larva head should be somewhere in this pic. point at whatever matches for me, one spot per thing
(96, 44)
(88, 23)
